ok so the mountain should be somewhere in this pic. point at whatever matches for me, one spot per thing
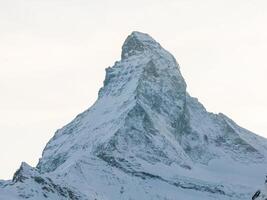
(145, 138)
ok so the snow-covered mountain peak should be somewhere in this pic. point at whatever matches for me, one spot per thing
(144, 86)
(144, 107)
(143, 133)
(137, 43)
(143, 59)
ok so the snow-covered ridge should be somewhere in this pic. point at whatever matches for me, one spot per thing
(143, 133)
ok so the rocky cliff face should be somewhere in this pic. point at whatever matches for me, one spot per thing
(145, 138)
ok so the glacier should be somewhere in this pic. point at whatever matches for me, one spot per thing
(144, 138)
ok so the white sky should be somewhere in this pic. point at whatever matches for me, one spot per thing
(53, 54)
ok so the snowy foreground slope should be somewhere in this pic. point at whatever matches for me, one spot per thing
(145, 138)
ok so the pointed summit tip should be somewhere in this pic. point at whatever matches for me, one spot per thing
(138, 42)
(142, 36)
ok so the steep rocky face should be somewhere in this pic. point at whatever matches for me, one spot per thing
(143, 133)
(150, 116)
(144, 87)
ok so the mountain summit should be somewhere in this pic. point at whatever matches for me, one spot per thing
(138, 43)
(144, 138)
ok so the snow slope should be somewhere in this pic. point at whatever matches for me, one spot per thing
(145, 138)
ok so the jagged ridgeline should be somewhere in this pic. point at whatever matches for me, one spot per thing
(145, 138)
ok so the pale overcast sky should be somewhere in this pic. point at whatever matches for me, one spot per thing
(53, 54)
